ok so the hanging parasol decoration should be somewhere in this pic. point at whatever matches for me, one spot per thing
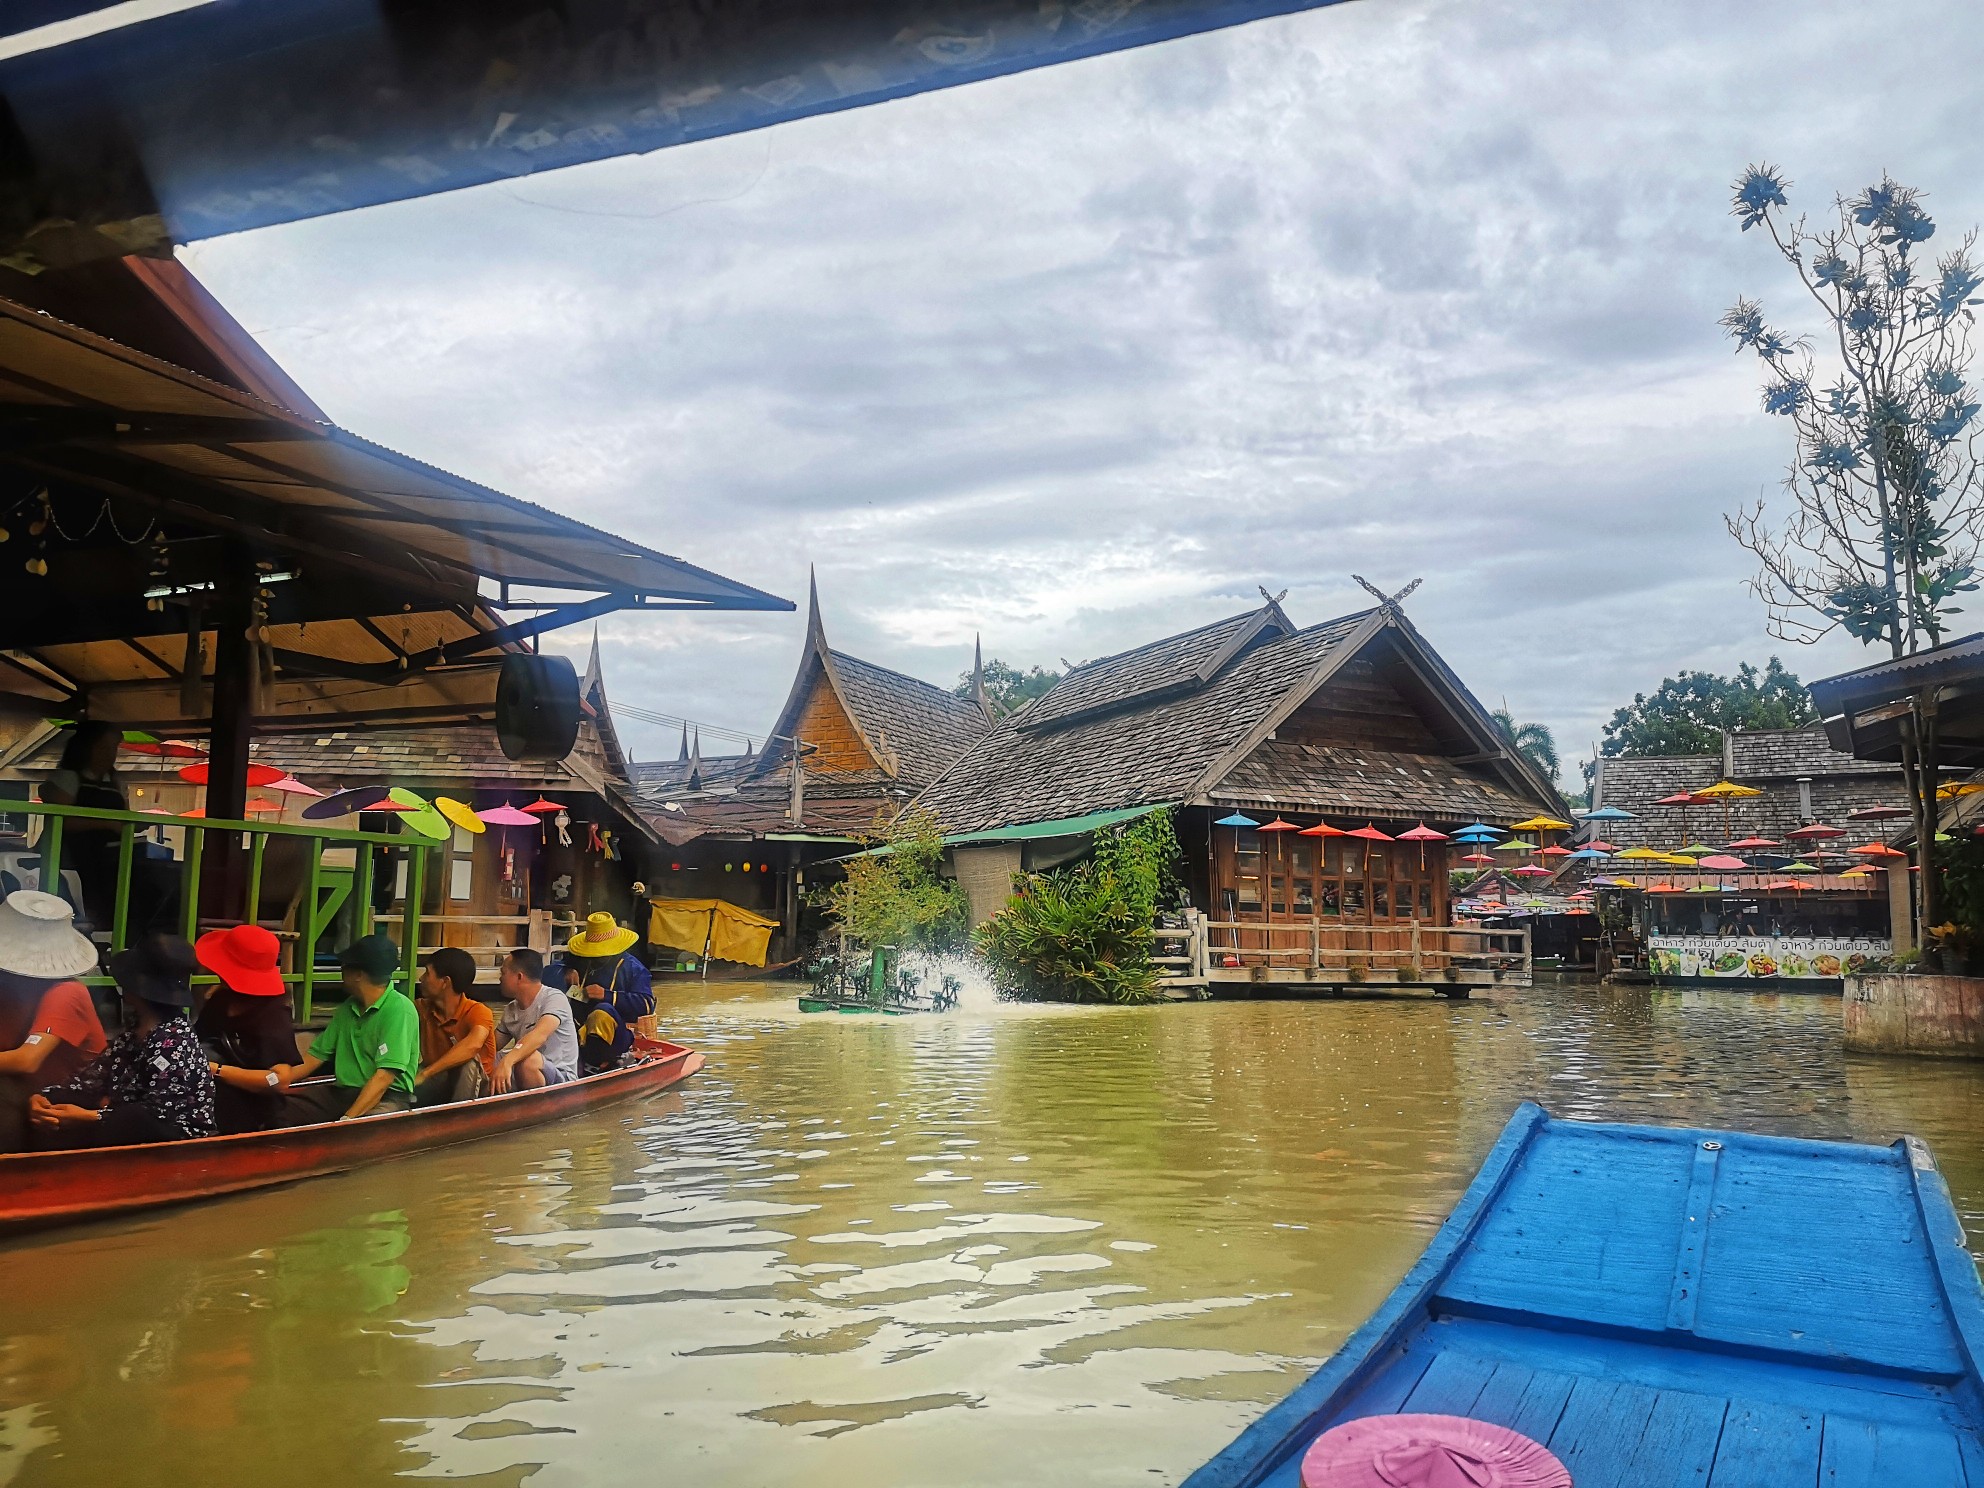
(259, 806)
(1529, 870)
(540, 807)
(1722, 863)
(1816, 832)
(1692, 850)
(1608, 813)
(1585, 855)
(1751, 844)
(419, 816)
(507, 815)
(1322, 829)
(1958, 788)
(1597, 845)
(339, 803)
(1781, 885)
(1481, 827)
(1542, 824)
(1876, 850)
(461, 815)
(1235, 820)
(1277, 825)
(1422, 834)
(1553, 851)
(1878, 813)
(1728, 790)
(1642, 855)
(1370, 833)
(1489, 857)
(289, 785)
(1863, 871)
(387, 803)
(1515, 844)
(166, 748)
(258, 775)
(1801, 866)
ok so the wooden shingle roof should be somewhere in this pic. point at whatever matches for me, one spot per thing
(1136, 736)
(924, 728)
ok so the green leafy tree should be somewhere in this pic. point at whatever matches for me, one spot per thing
(1687, 714)
(1008, 688)
(1533, 741)
(898, 896)
(1083, 934)
(1883, 521)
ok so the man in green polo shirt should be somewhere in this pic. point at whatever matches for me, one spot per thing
(372, 1045)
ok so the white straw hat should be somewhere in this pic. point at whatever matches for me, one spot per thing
(38, 937)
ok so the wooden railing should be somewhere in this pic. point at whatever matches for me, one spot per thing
(543, 931)
(1334, 949)
(306, 917)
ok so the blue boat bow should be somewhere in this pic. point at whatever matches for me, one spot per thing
(1671, 1306)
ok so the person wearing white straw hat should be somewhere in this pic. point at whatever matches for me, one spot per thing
(48, 1024)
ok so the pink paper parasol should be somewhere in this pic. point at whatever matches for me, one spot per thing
(1422, 833)
(1530, 870)
(1750, 844)
(289, 785)
(507, 815)
(1722, 863)
(1370, 833)
(1489, 858)
(1815, 832)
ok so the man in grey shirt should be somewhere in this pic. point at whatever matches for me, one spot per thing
(539, 1044)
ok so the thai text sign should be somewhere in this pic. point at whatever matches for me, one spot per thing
(1759, 956)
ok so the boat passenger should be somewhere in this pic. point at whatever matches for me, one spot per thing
(612, 987)
(152, 1083)
(246, 1025)
(457, 1032)
(372, 1045)
(86, 775)
(541, 1044)
(48, 1025)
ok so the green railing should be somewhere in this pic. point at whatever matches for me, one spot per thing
(315, 916)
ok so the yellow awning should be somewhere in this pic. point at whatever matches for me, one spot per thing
(728, 931)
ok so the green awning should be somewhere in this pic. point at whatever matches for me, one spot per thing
(1067, 826)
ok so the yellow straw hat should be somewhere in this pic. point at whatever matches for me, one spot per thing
(601, 937)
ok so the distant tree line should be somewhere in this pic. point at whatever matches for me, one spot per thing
(1008, 688)
(1688, 714)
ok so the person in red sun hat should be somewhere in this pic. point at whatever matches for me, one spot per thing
(246, 1025)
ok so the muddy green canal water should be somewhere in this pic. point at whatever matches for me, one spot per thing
(1008, 1245)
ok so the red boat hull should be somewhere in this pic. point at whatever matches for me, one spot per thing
(40, 1189)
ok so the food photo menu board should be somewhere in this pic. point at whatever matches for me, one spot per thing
(1816, 957)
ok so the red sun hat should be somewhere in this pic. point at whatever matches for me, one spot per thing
(244, 958)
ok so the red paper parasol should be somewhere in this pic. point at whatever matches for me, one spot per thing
(1322, 829)
(168, 748)
(1597, 846)
(1277, 825)
(1370, 834)
(542, 807)
(1554, 851)
(257, 774)
(387, 803)
(1489, 858)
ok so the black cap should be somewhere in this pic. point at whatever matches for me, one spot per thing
(375, 955)
(158, 969)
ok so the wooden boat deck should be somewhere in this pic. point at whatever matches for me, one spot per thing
(1677, 1307)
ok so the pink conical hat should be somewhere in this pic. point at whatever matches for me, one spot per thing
(1429, 1452)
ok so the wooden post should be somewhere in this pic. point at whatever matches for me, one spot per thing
(120, 914)
(51, 854)
(189, 886)
(312, 890)
(252, 911)
(1528, 961)
(416, 887)
(1418, 973)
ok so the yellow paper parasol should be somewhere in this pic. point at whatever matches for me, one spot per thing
(462, 816)
(1726, 791)
(1542, 824)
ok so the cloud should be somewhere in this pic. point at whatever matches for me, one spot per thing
(1080, 357)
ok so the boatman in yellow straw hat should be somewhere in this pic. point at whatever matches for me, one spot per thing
(613, 989)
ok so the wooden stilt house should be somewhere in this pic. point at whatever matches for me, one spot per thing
(1293, 759)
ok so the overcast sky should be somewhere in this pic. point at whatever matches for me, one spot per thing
(1081, 357)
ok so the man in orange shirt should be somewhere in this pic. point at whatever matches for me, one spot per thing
(457, 1033)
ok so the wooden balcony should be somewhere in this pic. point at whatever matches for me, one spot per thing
(1239, 958)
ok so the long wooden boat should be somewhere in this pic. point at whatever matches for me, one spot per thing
(42, 1189)
(1668, 1306)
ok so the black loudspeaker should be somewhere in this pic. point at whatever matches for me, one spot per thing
(537, 707)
